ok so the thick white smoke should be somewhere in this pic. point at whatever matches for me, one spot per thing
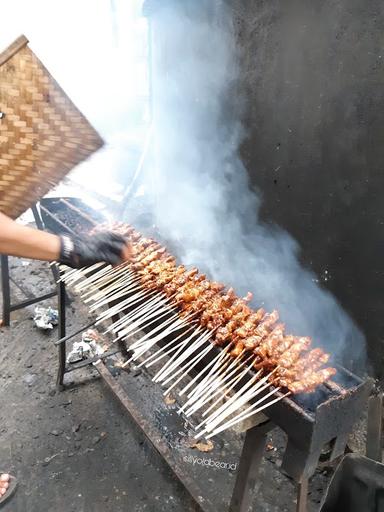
(203, 204)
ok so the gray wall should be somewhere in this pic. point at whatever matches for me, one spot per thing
(312, 74)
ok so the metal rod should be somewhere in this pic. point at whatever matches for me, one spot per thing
(67, 338)
(6, 290)
(57, 220)
(62, 346)
(29, 302)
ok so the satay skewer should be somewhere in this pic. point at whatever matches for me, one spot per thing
(216, 380)
(186, 368)
(246, 392)
(233, 422)
(224, 389)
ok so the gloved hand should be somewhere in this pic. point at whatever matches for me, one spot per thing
(87, 250)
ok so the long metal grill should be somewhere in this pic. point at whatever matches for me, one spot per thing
(313, 422)
(234, 381)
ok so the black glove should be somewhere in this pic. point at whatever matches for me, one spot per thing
(87, 250)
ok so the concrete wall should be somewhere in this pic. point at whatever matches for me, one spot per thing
(312, 73)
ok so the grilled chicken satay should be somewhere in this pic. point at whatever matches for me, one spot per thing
(294, 371)
(143, 251)
(311, 380)
(268, 345)
(239, 312)
(263, 328)
(230, 316)
(159, 278)
(180, 283)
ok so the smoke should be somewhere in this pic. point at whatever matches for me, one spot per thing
(203, 203)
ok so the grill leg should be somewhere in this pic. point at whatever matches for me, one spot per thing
(375, 427)
(249, 464)
(302, 496)
(61, 332)
(6, 290)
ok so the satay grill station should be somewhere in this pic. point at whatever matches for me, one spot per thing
(44, 137)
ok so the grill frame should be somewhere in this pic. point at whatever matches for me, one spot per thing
(326, 425)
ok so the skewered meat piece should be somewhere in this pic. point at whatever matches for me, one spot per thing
(267, 348)
(249, 325)
(165, 266)
(239, 347)
(262, 329)
(292, 355)
(143, 254)
(310, 362)
(311, 380)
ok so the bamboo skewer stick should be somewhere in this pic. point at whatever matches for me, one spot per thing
(144, 322)
(123, 305)
(93, 270)
(245, 413)
(243, 391)
(74, 274)
(114, 296)
(103, 288)
(180, 368)
(140, 314)
(237, 401)
(216, 380)
(206, 396)
(213, 362)
(240, 402)
(207, 381)
(225, 390)
(169, 362)
(155, 358)
(187, 368)
(173, 363)
(216, 389)
(112, 276)
(143, 347)
(154, 317)
(135, 313)
(165, 353)
(97, 289)
(234, 422)
(151, 342)
(175, 324)
(143, 340)
(89, 278)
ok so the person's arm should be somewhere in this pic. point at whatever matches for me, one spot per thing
(18, 240)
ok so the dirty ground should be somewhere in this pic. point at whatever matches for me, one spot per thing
(79, 451)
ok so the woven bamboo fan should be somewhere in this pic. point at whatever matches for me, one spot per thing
(42, 134)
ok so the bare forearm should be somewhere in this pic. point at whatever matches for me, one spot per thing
(18, 240)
